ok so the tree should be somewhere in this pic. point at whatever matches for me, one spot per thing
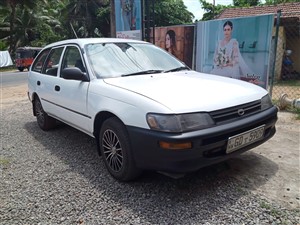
(49, 27)
(274, 2)
(171, 12)
(211, 10)
(13, 6)
(25, 22)
(81, 17)
(245, 3)
(103, 18)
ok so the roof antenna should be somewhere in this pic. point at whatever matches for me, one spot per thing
(73, 30)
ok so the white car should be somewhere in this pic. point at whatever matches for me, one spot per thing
(146, 109)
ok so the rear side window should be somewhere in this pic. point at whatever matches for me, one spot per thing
(39, 62)
(52, 62)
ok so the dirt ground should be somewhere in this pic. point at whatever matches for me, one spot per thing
(271, 170)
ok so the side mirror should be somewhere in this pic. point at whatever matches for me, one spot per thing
(73, 73)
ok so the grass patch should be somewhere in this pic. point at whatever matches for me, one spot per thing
(275, 212)
(265, 205)
(4, 162)
(290, 83)
(297, 112)
(8, 68)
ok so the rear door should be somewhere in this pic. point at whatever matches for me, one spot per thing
(46, 74)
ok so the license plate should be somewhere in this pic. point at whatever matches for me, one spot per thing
(238, 141)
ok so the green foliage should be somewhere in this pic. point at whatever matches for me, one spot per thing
(171, 12)
(103, 18)
(292, 82)
(297, 112)
(211, 10)
(80, 17)
(245, 3)
(274, 2)
(46, 35)
(12, 19)
(3, 45)
(38, 23)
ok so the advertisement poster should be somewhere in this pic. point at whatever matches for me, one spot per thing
(128, 19)
(177, 40)
(238, 48)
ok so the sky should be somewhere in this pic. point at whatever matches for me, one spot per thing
(194, 6)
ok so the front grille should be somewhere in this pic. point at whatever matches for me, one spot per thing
(232, 113)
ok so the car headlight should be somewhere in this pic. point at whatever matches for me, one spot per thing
(179, 123)
(266, 102)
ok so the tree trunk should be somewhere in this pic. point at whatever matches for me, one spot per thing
(12, 44)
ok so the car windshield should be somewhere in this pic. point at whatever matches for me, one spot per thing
(127, 59)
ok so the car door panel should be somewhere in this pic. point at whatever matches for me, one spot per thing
(70, 96)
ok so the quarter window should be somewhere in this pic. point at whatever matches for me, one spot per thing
(39, 62)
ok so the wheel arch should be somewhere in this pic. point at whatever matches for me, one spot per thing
(33, 97)
(99, 120)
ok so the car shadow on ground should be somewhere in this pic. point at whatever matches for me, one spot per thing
(204, 191)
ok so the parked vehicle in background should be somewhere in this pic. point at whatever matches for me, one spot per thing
(25, 57)
(146, 109)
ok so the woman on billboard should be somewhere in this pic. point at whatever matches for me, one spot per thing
(170, 43)
(228, 60)
(128, 12)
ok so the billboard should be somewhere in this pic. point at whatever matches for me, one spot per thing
(128, 19)
(177, 40)
(238, 48)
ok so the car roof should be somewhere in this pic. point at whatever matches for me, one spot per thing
(83, 41)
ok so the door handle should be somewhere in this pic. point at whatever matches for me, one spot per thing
(57, 88)
(38, 83)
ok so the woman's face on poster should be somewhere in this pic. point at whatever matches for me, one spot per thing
(227, 31)
(168, 41)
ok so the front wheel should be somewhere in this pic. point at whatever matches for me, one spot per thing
(115, 150)
(44, 121)
(21, 69)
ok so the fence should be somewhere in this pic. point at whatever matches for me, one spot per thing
(285, 67)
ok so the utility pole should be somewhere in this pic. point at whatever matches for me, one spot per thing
(147, 5)
(112, 19)
(148, 17)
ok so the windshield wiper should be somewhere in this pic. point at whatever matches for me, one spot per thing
(177, 69)
(143, 72)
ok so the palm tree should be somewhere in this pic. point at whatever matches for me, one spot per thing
(82, 16)
(49, 26)
(13, 5)
(4, 23)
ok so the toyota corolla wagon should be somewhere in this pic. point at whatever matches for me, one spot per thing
(146, 109)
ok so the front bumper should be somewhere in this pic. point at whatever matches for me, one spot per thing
(208, 145)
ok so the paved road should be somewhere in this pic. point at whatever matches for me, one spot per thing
(13, 78)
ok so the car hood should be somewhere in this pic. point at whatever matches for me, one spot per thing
(190, 91)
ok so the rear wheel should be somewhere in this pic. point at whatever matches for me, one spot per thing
(44, 121)
(21, 69)
(115, 150)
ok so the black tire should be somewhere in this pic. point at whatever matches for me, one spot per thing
(115, 149)
(21, 69)
(44, 121)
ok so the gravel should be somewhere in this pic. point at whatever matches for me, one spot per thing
(57, 177)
